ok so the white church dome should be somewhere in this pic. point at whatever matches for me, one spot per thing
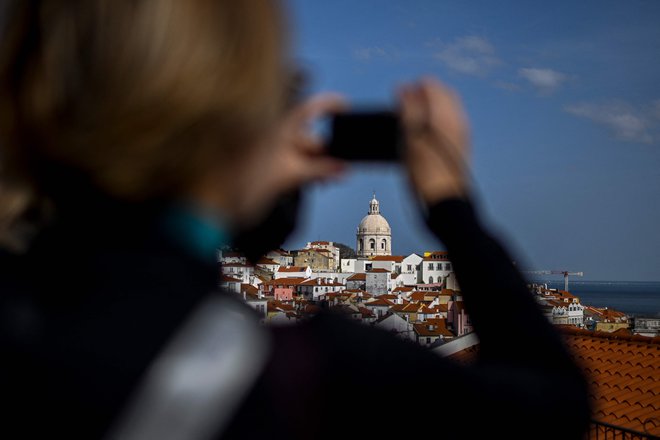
(374, 223)
(374, 235)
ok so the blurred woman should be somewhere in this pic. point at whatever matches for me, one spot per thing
(140, 136)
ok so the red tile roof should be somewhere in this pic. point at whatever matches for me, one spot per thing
(264, 260)
(625, 376)
(380, 302)
(288, 281)
(395, 258)
(291, 269)
(378, 270)
(249, 288)
(357, 277)
(435, 327)
(319, 282)
(624, 372)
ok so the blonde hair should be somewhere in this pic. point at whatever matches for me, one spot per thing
(141, 97)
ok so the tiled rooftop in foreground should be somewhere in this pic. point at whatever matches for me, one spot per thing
(624, 373)
(625, 376)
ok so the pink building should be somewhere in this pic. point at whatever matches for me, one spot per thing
(283, 293)
(457, 317)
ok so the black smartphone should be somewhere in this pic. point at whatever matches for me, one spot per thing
(366, 136)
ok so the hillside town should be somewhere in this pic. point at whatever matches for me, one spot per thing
(414, 296)
(417, 298)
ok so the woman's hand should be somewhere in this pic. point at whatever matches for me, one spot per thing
(437, 140)
(288, 157)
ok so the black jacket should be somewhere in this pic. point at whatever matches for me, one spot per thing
(102, 290)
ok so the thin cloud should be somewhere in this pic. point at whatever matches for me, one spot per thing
(470, 55)
(545, 80)
(623, 120)
(375, 52)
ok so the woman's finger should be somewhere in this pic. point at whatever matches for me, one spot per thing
(319, 105)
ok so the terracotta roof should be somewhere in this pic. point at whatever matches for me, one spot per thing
(321, 243)
(366, 313)
(624, 372)
(357, 277)
(249, 288)
(264, 260)
(625, 376)
(419, 295)
(403, 289)
(378, 270)
(288, 281)
(380, 302)
(406, 308)
(291, 269)
(228, 279)
(281, 306)
(395, 258)
(319, 282)
(435, 328)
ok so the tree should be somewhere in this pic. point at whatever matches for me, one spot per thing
(345, 251)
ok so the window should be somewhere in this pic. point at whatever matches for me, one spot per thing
(360, 246)
(372, 244)
(430, 266)
(383, 243)
(428, 340)
(430, 280)
(447, 266)
(438, 266)
(410, 268)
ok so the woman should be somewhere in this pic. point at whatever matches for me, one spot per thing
(137, 137)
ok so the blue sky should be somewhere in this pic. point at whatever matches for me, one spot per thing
(563, 99)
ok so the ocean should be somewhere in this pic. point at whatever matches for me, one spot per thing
(633, 298)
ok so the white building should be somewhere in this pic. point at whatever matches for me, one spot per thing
(411, 270)
(391, 263)
(318, 287)
(348, 265)
(435, 267)
(571, 313)
(293, 272)
(268, 264)
(374, 235)
(242, 271)
(282, 257)
(230, 257)
(378, 282)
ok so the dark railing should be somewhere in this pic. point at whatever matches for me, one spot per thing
(605, 431)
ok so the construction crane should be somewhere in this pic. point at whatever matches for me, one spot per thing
(556, 272)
